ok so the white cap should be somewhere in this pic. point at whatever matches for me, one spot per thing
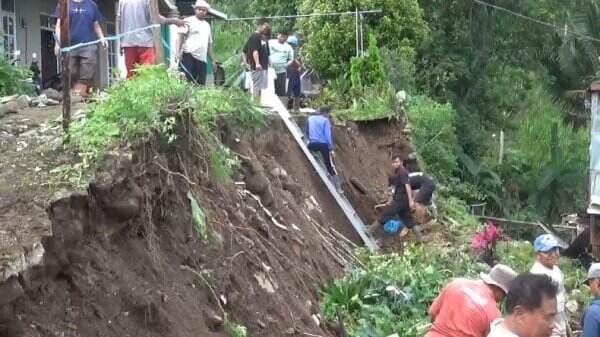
(201, 3)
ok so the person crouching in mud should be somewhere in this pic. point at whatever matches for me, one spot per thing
(402, 202)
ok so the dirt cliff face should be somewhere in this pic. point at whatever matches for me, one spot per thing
(126, 258)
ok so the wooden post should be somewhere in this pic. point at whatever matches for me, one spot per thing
(66, 71)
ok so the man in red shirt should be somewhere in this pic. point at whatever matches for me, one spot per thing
(466, 308)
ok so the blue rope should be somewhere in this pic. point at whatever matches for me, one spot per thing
(110, 38)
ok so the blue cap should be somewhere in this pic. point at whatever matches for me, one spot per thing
(292, 40)
(545, 243)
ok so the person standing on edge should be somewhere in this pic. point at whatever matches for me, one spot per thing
(257, 58)
(590, 321)
(294, 89)
(281, 55)
(402, 200)
(84, 26)
(531, 307)
(138, 47)
(195, 44)
(546, 263)
(466, 308)
(320, 140)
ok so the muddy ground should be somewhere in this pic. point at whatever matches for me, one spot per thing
(125, 257)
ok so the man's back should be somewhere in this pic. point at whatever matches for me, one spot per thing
(319, 129)
(135, 14)
(464, 308)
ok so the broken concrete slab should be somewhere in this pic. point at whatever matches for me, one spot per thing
(52, 94)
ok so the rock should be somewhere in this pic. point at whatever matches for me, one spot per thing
(7, 99)
(9, 108)
(401, 96)
(23, 101)
(279, 172)
(52, 94)
(52, 102)
(10, 291)
(212, 320)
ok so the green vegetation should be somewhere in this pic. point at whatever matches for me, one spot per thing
(12, 78)
(150, 104)
(392, 293)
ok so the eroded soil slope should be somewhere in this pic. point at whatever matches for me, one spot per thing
(128, 258)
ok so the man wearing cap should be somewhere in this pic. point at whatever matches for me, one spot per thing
(590, 321)
(546, 263)
(138, 47)
(531, 308)
(466, 308)
(195, 44)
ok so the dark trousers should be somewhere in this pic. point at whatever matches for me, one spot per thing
(280, 84)
(323, 149)
(194, 69)
(398, 208)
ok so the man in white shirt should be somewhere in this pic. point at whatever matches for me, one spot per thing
(546, 263)
(195, 44)
(531, 308)
(281, 56)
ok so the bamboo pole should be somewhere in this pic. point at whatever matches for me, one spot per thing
(66, 71)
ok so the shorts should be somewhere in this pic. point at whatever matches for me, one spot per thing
(138, 56)
(260, 79)
(194, 69)
(83, 63)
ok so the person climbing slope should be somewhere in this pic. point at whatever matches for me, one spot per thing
(320, 140)
(402, 200)
(466, 308)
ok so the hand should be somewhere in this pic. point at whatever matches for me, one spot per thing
(215, 66)
(332, 155)
(259, 67)
(179, 23)
(104, 43)
(56, 49)
(412, 205)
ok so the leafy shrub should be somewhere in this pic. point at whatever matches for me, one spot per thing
(331, 40)
(137, 107)
(368, 70)
(434, 134)
(393, 292)
(12, 78)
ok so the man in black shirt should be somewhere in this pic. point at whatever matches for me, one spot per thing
(257, 58)
(402, 201)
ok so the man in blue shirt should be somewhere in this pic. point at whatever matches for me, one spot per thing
(321, 141)
(84, 26)
(591, 318)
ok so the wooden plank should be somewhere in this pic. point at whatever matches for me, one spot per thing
(66, 71)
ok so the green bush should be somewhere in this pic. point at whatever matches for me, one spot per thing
(12, 78)
(331, 41)
(434, 134)
(393, 292)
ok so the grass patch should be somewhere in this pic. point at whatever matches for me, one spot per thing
(150, 103)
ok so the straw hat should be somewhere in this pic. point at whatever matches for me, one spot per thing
(500, 276)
